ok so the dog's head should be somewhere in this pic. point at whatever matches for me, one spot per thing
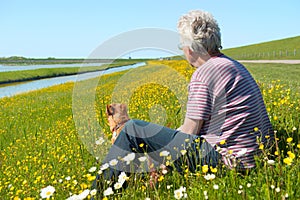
(117, 114)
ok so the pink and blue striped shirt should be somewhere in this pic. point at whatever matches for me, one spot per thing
(224, 94)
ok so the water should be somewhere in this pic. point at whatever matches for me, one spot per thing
(44, 83)
(5, 68)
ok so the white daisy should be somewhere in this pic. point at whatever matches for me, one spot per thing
(104, 166)
(47, 192)
(130, 157)
(108, 192)
(164, 153)
(113, 162)
(92, 169)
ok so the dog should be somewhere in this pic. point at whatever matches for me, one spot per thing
(117, 116)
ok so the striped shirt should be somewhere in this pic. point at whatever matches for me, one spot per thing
(223, 94)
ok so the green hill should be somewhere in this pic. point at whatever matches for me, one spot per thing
(288, 48)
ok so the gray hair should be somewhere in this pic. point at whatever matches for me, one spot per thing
(200, 31)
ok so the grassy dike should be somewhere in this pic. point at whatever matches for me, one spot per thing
(41, 143)
(28, 75)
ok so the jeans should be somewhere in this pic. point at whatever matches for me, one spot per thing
(139, 139)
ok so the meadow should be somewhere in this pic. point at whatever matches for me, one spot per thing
(53, 139)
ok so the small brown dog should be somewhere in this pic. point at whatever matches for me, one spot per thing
(117, 116)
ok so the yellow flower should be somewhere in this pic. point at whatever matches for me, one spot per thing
(213, 170)
(141, 145)
(230, 152)
(222, 142)
(298, 145)
(255, 129)
(261, 146)
(205, 168)
(276, 153)
(288, 161)
(161, 178)
(291, 155)
(289, 140)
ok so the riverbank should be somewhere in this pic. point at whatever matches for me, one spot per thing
(37, 74)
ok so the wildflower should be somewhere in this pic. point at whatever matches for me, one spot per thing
(117, 185)
(92, 169)
(169, 186)
(298, 146)
(294, 128)
(240, 191)
(286, 195)
(205, 193)
(108, 192)
(164, 153)
(276, 153)
(288, 160)
(183, 152)
(272, 186)
(210, 176)
(147, 198)
(160, 179)
(142, 159)
(122, 178)
(271, 162)
(213, 170)
(205, 168)
(100, 141)
(216, 187)
(289, 140)
(130, 157)
(68, 178)
(104, 166)
(248, 185)
(256, 129)
(240, 186)
(47, 192)
(93, 192)
(230, 152)
(222, 142)
(291, 155)
(141, 145)
(261, 146)
(180, 193)
(83, 194)
(113, 162)
(277, 189)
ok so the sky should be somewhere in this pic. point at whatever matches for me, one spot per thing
(83, 29)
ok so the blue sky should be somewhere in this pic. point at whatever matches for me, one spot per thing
(74, 29)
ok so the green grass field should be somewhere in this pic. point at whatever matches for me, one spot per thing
(49, 139)
(288, 48)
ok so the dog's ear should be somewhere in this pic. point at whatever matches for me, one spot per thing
(110, 110)
(123, 107)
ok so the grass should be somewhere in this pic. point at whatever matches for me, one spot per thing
(49, 136)
(288, 48)
(27, 75)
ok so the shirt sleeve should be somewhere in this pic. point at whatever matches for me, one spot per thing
(199, 101)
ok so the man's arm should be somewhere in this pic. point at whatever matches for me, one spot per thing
(191, 126)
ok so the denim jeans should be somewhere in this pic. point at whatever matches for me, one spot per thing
(161, 144)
